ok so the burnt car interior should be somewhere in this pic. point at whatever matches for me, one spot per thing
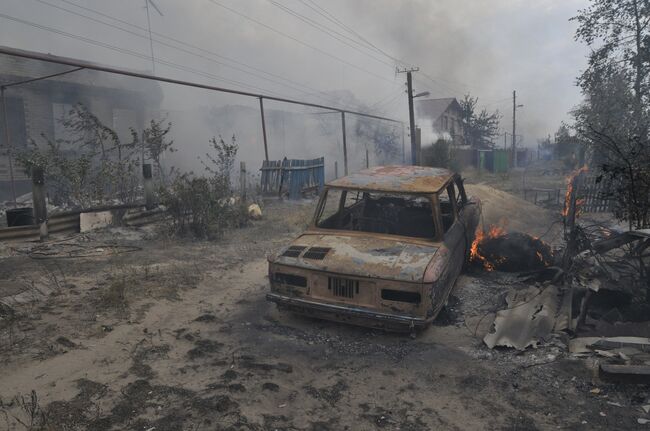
(394, 214)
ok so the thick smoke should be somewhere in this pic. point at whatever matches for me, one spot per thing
(484, 48)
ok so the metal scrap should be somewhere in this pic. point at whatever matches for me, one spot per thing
(528, 319)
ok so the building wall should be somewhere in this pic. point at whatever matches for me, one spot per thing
(450, 122)
(43, 106)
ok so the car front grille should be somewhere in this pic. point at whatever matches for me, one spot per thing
(343, 287)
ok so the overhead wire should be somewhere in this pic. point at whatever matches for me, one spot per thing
(289, 84)
(330, 17)
(447, 85)
(301, 42)
(317, 8)
(134, 53)
(332, 33)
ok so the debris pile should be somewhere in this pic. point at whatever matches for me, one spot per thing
(500, 250)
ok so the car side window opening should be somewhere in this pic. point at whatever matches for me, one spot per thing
(447, 199)
(394, 214)
(461, 196)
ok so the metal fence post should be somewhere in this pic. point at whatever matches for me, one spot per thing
(38, 199)
(242, 180)
(149, 194)
(345, 145)
(266, 148)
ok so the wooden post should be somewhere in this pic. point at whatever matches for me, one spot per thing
(242, 180)
(266, 148)
(418, 147)
(336, 169)
(403, 151)
(345, 145)
(38, 199)
(367, 160)
(149, 194)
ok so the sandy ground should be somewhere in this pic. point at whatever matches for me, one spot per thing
(176, 335)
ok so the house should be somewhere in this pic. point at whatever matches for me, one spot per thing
(439, 119)
(34, 109)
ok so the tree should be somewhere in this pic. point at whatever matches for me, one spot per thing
(480, 128)
(155, 143)
(614, 118)
(618, 33)
(382, 136)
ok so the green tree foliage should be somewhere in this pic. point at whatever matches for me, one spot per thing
(479, 128)
(154, 142)
(92, 166)
(614, 118)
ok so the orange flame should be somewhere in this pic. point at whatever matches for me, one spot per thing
(569, 192)
(494, 231)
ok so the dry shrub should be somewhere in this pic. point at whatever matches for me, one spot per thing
(204, 206)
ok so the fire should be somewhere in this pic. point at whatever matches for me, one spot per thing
(570, 180)
(497, 249)
(494, 231)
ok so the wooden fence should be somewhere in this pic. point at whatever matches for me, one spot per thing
(293, 176)
(593, 196)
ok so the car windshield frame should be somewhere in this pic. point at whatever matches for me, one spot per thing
(432, 198)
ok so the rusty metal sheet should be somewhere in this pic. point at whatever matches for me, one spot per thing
(364, 257)
(396, 179)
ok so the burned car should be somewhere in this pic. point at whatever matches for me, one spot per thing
(384, 249)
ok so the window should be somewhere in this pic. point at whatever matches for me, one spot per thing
(16, 120)
(447, 199)
(388, 213)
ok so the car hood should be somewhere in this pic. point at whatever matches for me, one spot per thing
(361, 256)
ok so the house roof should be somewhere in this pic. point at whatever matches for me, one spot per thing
(396, 179)
(434, 108)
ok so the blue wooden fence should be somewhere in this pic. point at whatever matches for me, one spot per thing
(293, 176)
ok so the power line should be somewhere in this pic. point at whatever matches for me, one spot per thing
(299, 41)
(87, 65)
(332, 33)
(133, 53)
(321, 11)
(175, 47)
(200, 49)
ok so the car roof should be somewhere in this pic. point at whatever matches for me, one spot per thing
(397, 179)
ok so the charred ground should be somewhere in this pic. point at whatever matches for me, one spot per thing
(177, 335)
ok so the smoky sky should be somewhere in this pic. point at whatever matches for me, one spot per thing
(485, 48)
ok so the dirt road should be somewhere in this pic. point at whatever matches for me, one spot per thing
(177, 335)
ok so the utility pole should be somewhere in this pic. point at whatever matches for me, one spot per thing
(409, 92)
(514, 119)
(514, 130)
(345, 145)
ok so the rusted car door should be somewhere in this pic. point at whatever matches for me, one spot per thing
(454, 236)
(468, 213)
